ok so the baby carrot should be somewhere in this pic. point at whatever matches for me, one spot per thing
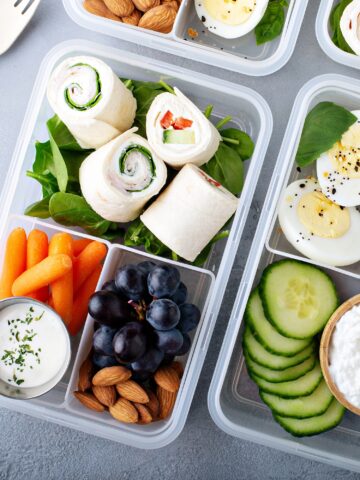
(80, 307)
(37, 250)
(80, 244)
(62, 288)
(14, 261)
(87, 261)
(42, 274)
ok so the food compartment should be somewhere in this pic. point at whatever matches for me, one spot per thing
(246, 112)
(243, 47)
(200, 284)
(324, 35)
(55, 397)
(190, 39)
(244, 413)
(276, 241)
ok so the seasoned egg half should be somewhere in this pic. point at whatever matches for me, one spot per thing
(350, 25)
(318, 228)
(230, 18)
(338, 170)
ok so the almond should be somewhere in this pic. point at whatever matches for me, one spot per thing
(89, 401)
(111, 376)
(98, 7)
(153, 404)
(144, 414)
(167, 378)
(160, 19)
(145, 5)
(121, 8)
(124, 411)
(105, 395)
(178, 367)
(132, 19)
(132, 391)
(172, 3)
(85, 375)
(166, 401)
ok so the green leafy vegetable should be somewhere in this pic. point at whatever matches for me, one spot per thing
(272, 23)
(62, 135)
(324, 126)
(335, 17)
(244, 147)
(227, 168)
(61, 172)
(39, 209)
(72, 210)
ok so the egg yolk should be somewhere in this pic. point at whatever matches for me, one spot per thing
(230, 12)
(322, 217)
(345, 155)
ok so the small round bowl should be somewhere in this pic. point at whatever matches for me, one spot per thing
(23, 393)
(324, 351)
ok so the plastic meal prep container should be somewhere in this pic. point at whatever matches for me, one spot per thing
(324, 35)
(233, 398)
(250, 113)
(239, 55)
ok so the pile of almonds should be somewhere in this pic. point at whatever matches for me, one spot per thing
(158, 15)
(127, 401)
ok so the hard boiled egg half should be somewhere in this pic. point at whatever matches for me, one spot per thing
(230, 18)
(350, 25)
(318, 228)
(338, 170)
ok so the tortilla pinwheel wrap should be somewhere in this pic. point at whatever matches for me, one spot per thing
(190, 212)
(118, 179)
(179, 132)
(91, 100)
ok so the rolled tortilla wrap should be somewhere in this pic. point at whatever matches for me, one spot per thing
(190, 212)
(179, 132)
(350, 25)
(91, 100)
(119, 178)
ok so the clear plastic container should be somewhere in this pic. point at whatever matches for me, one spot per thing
(252, 114)
(324, 35)
(238, 55)
(233, 398)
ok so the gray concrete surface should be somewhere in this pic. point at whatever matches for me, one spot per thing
(33, 449)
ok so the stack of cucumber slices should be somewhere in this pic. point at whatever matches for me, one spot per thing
(291, 305)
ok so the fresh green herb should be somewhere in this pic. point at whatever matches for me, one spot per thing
(243, 143)
(272, 23)
(227, 168)
(324, 126)
(335, 18)
(72, 210)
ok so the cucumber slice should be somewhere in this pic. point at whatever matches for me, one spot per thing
(277, 376)
(298, 298)
(266, 334)
(303, 407)
(301, 387)
(313, 425)
(261, 356)
(181, 137)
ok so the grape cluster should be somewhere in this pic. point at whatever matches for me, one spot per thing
(142, 318)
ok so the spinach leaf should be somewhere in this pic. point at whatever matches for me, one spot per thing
(43, 163)
(61, 173)
(227, 168)
(47, 181)
(145, 93)
(62, 135)
(137, 235)
(335, 17)
(72, 210)
(245, 147)
(272, 23)
(39, 209)
(324, 126)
